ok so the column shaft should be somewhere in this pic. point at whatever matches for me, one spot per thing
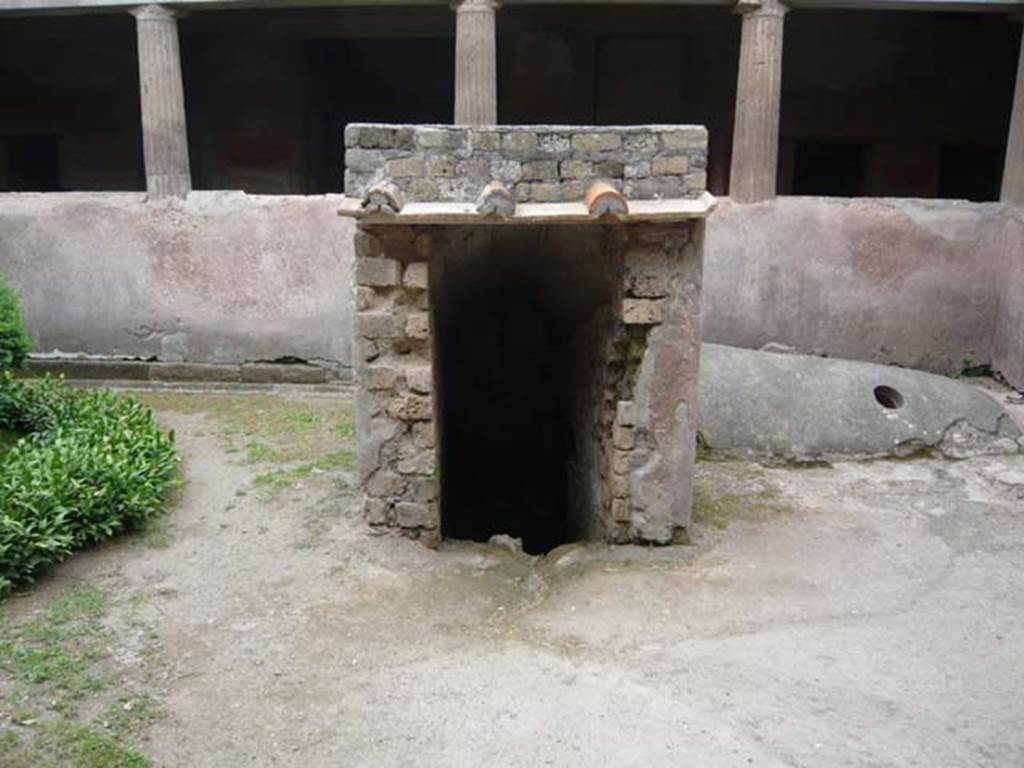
(164, 135)
(755, 142)
(476, 78)
(1013, 168)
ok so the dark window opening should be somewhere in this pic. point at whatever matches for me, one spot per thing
(69, 104)
(521, 320)
(828, 168)
(970, 173)
(880, 89)
(30, 164)
(269, 92)
(622, 66)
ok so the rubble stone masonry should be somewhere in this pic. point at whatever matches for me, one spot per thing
(539, 164)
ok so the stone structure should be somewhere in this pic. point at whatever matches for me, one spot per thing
(162, 97)
(539, 164)
(755, 144)
(607, 311)
(1013, 168)
(476, 63)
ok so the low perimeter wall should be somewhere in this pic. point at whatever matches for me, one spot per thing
(222, 277)
(227, 277)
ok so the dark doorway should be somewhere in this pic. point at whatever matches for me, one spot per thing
(522, 318)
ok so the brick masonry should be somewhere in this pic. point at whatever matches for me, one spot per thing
(637, 367)
(539, 164)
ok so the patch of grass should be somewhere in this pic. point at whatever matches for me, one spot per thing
(58, 649)
(270, 428)
(57, 661)
(66, 743)
(277, 480)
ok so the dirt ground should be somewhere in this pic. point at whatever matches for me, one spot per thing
(853, 614)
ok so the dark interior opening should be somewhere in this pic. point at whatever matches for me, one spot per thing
(875, 104)
(521, 315)
(269, 92)
(69, 104)
(828, 168)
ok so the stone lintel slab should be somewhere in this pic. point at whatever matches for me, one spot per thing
(651, 211)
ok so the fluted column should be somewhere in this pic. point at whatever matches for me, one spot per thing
(164, 136)
(755, 140)
(476, 68)
(1013, 168)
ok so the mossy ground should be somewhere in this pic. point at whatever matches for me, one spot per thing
(61, 701)
(726, 492)
(289, 439)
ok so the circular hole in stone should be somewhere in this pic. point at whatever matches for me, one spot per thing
(888, 397)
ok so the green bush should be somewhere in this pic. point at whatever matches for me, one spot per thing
(14, 343)
(91, 464)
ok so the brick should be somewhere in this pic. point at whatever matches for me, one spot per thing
(596, 142)
(620, 511)
(670, 165)
(643, 311)
(485, 141)
(572, 190)
(408, 407)
(641, 143)
(381, 377)
(545, 192)
(442, 138)
(423, 435)
(420, 463)
(506, 170)
(366, 245)
(375, 511)
(696, 182)
(623, 438)
(609, 169)
(685, 139)
(376, 325)
(554, 143)
(647, 285)
(422, 488)
(422, 190)
(368, 350)
(655, 188)
(619, 486)
(519, 141)
(420, 379)
(441, 166)
(380, 137)
(416, 275)
(411, 514)
(417, 325)
(540, 170)
(625, 413)
(638, 170)
(621, 461)
(365, 298)
(404, 167)
(379, 273)
(575, 169)
(385, 485)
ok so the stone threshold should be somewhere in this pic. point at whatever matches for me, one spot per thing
(146, 371)
(647, 211)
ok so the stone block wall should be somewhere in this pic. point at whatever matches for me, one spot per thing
(633, 384)
(395, 404)
(538, 164)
